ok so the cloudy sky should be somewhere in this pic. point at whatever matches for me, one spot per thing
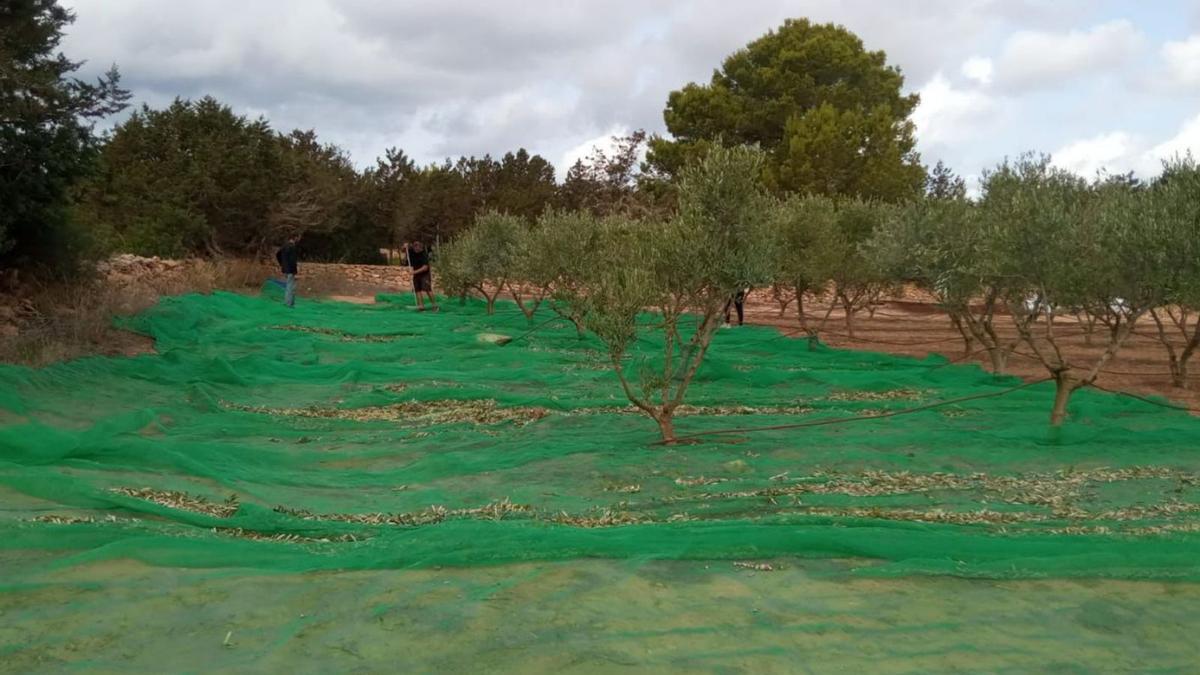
(1097, 83)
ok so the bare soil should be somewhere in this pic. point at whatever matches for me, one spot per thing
(913, 325)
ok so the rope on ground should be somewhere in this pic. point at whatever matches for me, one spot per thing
(1130, 373)
(956, 338)
(1144, 399)
(1103, 371)
(819, 333)
(903, 317)
(847, 420)
(921, 343)
(790, 333)
(961, 358)
(799, 331)
(534, 329)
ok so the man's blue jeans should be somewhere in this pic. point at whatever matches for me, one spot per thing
(289, 292)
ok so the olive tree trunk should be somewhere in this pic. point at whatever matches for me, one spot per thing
(1064, 386)
(1178, 358)
(956, 320)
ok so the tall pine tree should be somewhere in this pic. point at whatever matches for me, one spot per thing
(46, 135)
(832, 115)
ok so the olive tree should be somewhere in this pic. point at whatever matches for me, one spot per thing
(1175, 202)
(559, 256)
(483, 258)
(946, 247)
(1067, 245)
(685, 270)
(858, 281)
(805, 253)
(528, 282)
(450, 262)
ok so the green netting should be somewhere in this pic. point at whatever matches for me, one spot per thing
(338, 437)
(419, 442)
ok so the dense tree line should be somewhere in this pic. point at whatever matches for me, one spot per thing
(46, 139)
(197, 178)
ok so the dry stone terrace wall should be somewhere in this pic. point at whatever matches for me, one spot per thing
(383, 276)
(126, 268)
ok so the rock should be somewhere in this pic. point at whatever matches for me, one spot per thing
(9, 330)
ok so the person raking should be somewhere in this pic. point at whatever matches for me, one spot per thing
(422, 275)
(287, 259)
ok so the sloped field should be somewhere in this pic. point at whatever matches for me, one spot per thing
(346, 485)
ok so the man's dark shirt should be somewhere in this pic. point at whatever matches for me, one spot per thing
(418, 259)
(287, 258)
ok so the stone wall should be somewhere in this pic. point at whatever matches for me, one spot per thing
(125, 269)
(383, 277)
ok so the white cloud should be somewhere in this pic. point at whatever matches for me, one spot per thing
(978, 69)
(1185, 141)
(424, 73)
(1035, 59)
(1112, 151)
(1183, 61)
(947, 115)
(442, 78)
(1120, 151)
(974, 183)
(584, 149)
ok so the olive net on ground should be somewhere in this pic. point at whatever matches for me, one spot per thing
(342, 486)
(340, 436)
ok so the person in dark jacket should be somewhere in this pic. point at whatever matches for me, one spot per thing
(287, 259)
(737, 302)
(422, 275)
